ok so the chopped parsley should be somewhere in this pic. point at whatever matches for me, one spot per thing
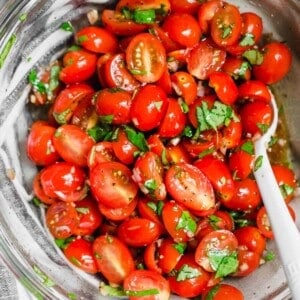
(136, 138)
(186, 222)
(269, 256)
(248, 147)
(151, 185)
(23, 17)
(286, 190)
(253, 56)
(144, 16)
(36, 83)
(247, 40)
(187, 272)
(102, 132)
(156, 206)
(180, 247)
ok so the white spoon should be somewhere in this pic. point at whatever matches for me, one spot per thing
(286, 234)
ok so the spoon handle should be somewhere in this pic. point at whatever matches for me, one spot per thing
(287, 236)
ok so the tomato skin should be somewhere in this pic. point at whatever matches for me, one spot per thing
(39, 146)
(277, 60)
(113, 258)
(223, 291)
(138, 232)
(150, 101)
(115, 103)
(231, 135)
(189, 287)
(190, 187)
(65, 181)
(183, 29)
(252, 24)
(237, 68)
(254, 90)
(80, 253)
(112, 185)
(185, 6)
(174, 120)
(146, 58)
(204, 58)
(248, 262)
(140, 280)
(79, 65)
(96, 39)
(38, 190)
(61, 219)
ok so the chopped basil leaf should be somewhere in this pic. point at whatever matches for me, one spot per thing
(258, 162)
(212, 292)
(253, 56)
(45, 279)
(63, 243)
(273, 141)
(262, 127)
(23, 17)
(126, 13)
(269, 256)
(107, 119)
(187, 272)
(143, 293)
(286, 190)
(213, 221)
(247, 40)
(137, 72)
(180, 247)
(248, 147)
(137, 138)
(74, 48)
(72, 296)
(184, 106)
(243, 68)
(226, 31)
(150, 185)
(82, 38)
(36, 83)
(36, 201)
(206, 152)
(144, 16)
(7, 48)
(101, 132)
(187, 131)
(54, 80)
(67, 26)
(152, 205)
(83, 210)
(61, 118)
(160, 205)
(186, 222)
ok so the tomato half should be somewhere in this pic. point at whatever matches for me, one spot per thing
(223, 291)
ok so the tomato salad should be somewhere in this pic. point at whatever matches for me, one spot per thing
(146, 158)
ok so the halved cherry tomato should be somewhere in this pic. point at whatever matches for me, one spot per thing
(39, 192)
(113, 258)
(254, 90)
(223, 291)
(190, 187)
(80, 253)
(252, 25)
(231, 135)
(177, 154)
(248, 262)
(237, 68)
(184, 6)
(146, 58)
(112, 185)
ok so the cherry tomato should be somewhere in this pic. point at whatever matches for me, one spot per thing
(138, 232)
(150, 101)
(113, 258)
(190, 187)
(184, 6)
(226, 25)
(80, 253)
(161, 6)
(65, 181)
(237, 68)
(147, 280)
(286, 180)
(223, 291)
(188, 286)
(254, 90)
(277, 60)
(40, 148)
(61, 219)
(112, 185)
(89, 216)
(183, 29)
(148, 174)
(249, 261)
(231, 134)
(146, 58)
(79, 65)
(115, 104)
(204, 58)
(218, 241)
(177, 154)
(38, 190)
(252, 25)
(150, 256)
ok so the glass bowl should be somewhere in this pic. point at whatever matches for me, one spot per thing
(30, 37)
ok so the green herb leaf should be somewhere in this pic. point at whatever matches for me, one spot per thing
(243, 69)
(213, 221)
(150, 185)
(226, 31)
(262, 127)
(142, 16)
(83, 210)
(103, 132)
(7, 48)
(286, 190)
(72, 296)
(73, 48)
(137, 138)
(248, 147)
(187, 272)
(82, 39)
(23, 17)
(126, 13)
(273, 141)
(36, 83)
(253, 56)
(269, 256)
(61, 118)
(67, 26)
(188, 131)
(118, 291)
(247, 40)
(63, 243)
(180, 247)
(258, 162)
(54, 80)
(212, 292)
(186, 222)
(45, 279)
(206, 152)
(36, 201)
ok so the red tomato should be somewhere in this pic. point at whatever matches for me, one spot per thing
(251, 238)
(117, 23)
(174, 120)
(179, 222)
(184, 6)
(165, 82)
(219, 175)
(188, 286)
(79, 65)
(226, 25)
(73, 144)
(156, 145)
(252, 25)
(231, 135)
(67, 101)
(254, 90)
(138, 232)
(223, 291)
(218, 241)
(177, 154)
(89, 216)
(277, 60)
(148, 174)
(161, 6)
(112, 185)
(286, 180)
(237, 68)
(39, 146)
(255, 116)
(204, 58)
(115, 104)
(65, 181)
(224, 87)
(146, 58)
(150, 101)
(190, 187)
(112, 72)
(183, 29)
(150, 258)
(61, 219)
(143, 280)
(96, 39)
(185, 86)
(38, 190)
(80, 253)
(249, 261)
(113, 258)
